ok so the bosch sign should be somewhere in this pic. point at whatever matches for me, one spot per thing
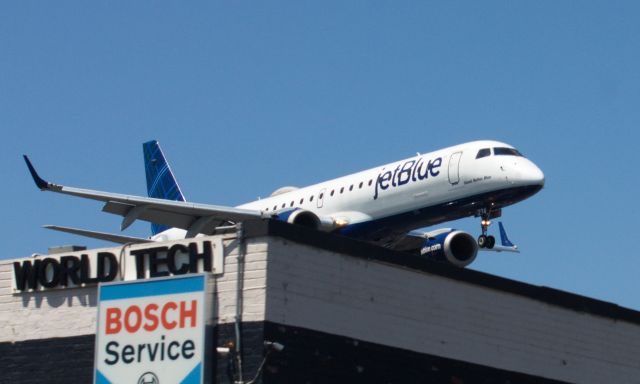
(152, 329)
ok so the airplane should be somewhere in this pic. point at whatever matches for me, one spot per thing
(384, 205)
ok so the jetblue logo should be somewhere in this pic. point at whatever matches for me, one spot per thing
(410, 171)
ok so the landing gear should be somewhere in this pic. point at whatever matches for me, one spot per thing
(484, 240)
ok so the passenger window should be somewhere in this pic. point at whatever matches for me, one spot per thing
(333, 191)
(361, 184)
(484, 152)
(311, 198)
(275, 207)
(351, 187)
(291, 204)
(370, 181)
(302, 200)
(284, 205)
(321, 196)
(341, 189)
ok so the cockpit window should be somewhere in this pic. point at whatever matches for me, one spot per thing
(506, 151)
(484, 152)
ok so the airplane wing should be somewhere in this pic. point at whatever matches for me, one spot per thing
(195, 218)
(120, 239)
(414, 240)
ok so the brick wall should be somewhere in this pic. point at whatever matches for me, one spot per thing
(359, 298)
(60, 313)
(48, 336)
(60, 360)
(381, 303)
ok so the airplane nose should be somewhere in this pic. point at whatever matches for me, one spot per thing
(534, 175)
(526, 173)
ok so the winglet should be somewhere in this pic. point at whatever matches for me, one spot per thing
(503, 237)
(41, 183)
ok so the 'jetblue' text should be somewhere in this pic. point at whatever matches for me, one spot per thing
(410, 171)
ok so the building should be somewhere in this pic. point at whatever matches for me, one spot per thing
(333, 309)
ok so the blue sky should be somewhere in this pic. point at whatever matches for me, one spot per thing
(246, 97)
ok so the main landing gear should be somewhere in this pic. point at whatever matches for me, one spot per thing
(485, 241)
(486, 214)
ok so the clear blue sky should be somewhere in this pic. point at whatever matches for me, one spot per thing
(249, 96)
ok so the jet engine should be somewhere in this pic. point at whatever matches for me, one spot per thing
(306, 219)
(452, 246)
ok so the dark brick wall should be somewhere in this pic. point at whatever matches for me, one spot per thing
(70, 360)
(308, 357)
(312, 357)
(64, 360)
(252, 351)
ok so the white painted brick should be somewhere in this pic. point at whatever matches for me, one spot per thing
(72, 312)
(394, 306)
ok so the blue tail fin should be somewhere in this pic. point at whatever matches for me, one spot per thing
(161, 183)
(503, 236)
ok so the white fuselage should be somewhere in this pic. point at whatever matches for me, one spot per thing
(421, 181)
(422, 190)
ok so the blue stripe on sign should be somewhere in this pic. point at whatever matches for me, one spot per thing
(194, 376)
(152, 288)
(100, 379)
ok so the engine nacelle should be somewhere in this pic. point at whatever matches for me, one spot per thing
(306, 219)
(454, 247)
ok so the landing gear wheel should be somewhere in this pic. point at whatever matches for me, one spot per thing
(491, 241)
(483, 241)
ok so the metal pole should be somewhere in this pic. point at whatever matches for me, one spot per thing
(239, 288)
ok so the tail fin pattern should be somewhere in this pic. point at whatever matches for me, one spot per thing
(161, 183)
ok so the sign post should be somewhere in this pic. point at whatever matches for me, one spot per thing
(154, 331)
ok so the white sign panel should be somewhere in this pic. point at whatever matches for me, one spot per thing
(152, 331)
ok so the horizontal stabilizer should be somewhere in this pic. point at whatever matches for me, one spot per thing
(99, 235)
